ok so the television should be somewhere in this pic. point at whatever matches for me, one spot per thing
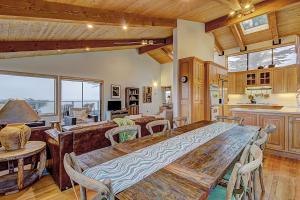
(114, 105)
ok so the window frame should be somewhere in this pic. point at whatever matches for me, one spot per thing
(35, 75)
(258, 50)
(101, 92)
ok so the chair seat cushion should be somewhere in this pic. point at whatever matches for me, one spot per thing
(219, 193)
(227, 175)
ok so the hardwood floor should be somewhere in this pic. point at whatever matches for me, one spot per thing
(282, 182)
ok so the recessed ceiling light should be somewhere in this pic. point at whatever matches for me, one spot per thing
(125, 27)
(87, 49)
(232, 13)
(247, 6)
(90, 26)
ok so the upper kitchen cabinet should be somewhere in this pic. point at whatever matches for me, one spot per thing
(231, 83)
(281, 79)
(286, 79)
(240, 83)
(214, 72)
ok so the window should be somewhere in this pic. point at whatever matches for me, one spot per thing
(237, 63)
(260, 58)
(39, 91)
(284, 56)
(80, 94)
(280, 57)
(255, 24)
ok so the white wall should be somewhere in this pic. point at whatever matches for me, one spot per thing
(190, 40)
(124, 67)
(193, 41)
(166, 74)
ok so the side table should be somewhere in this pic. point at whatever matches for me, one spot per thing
(15, 181)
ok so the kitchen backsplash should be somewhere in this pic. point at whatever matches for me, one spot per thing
(287, 99)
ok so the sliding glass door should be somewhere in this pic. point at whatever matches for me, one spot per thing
(81, 94)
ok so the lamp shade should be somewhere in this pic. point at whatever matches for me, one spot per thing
(17, 111)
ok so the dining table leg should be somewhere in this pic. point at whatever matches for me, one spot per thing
(20, 173)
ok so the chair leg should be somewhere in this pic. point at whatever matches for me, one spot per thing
(261, 178)
(83, 193)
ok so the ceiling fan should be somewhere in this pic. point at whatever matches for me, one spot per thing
(141, 42)
(245, 8)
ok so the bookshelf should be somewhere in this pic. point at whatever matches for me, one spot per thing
(132, 100)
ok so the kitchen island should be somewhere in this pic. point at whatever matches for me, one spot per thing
(286, 139)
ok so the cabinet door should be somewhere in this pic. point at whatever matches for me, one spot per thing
(240, 83)
(279, 80)
(276, 140)
(264, 78)
(231, 83)
(291, 79)
(294, 134)
(250, 79)
(249, 118)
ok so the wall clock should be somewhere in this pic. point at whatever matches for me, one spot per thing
(184, 79)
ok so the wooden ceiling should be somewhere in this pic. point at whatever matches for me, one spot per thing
(57, 20)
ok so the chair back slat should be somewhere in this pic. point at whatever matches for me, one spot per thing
(165, 123)
(136, 129)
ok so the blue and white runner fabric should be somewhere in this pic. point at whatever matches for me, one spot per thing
(129, 169)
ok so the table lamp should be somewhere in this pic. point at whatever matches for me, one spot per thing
(15, 113)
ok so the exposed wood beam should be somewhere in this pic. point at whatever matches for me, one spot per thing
(261, 8)
(168, 53)
(39, 9)
(238, 37)
(148, 48)
(273, 27)
(18, 46)
(218, 47)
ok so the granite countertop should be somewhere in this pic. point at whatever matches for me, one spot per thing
(284, 110)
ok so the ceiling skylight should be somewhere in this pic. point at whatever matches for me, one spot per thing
(255, 24)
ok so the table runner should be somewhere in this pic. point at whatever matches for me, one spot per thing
(129, 169)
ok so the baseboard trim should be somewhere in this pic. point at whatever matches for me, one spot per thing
(282, 154)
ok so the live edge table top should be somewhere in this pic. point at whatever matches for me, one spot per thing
(192, 176)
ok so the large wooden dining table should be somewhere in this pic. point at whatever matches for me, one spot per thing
(192, 176)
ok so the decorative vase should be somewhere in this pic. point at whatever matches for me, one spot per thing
(14, 136)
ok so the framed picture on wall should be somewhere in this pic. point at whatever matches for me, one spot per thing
(147, 94)
(115, 91)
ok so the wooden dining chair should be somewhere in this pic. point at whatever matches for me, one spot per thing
(178, 121)
(237, 120)
(261, 142)
(242, 180)
(134, 129)
(102, 188)
(151, 125)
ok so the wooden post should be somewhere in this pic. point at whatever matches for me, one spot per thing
(20, 173)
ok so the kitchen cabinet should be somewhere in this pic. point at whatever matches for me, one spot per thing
(249, 118)
(294, 134)
(276, 140)
(285, 79)
(192, 89)
(292, 79)
(285, 141)
(279, 80)
(231, 83)
(240, 83)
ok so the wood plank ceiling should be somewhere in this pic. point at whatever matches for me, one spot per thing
(36, 23)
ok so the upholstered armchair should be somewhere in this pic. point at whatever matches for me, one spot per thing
(79, 116)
